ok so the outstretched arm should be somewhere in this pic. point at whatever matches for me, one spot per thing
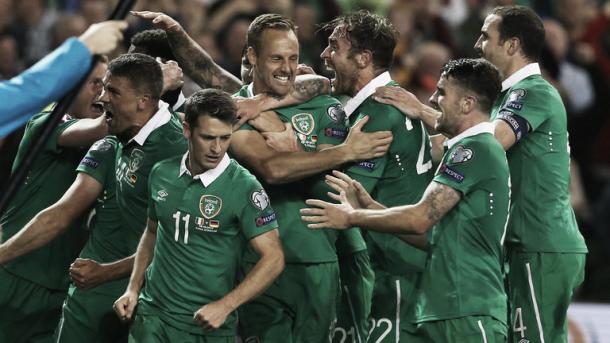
(211, 316)
(87, 273)
(54, 220)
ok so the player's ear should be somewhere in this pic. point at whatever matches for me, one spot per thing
(251, 56)
(364, 58)
(186, 129)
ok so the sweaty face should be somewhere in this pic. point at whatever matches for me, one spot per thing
(446, 99)
(275, 65)
(120, 102)
(489, 45)
(208, 142)
(86, 104)
(338, 58)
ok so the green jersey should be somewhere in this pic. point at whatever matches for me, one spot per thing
(108, 239)
(159, 139)
(204, 224)
(317, 121)
(541, 216)
(463, 274)
(397, 178)
(49, 177)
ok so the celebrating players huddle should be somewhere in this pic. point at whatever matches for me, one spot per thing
(330, 222)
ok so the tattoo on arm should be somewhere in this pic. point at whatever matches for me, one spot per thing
(308, 88)
(198, 64)
(440, 199)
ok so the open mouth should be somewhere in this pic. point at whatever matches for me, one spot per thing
(282, 78)
(97, 108)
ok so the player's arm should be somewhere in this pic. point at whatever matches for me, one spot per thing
(417, 219)
(271, 263)
(282, 167)
(509, 128)
(84, 132)
(193, 59)
(125, 305)
(54, 220)
(87, 273)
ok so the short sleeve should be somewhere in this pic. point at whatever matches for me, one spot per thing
(99, 161)
(36, 125)
(529, 104)
(462, 167)
(257, 216)
(332, 126)
(152, 212)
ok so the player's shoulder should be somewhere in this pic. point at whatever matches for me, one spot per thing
(239, 175)
(169, 165)
(481, 147)
(107, 144)
(533, 88)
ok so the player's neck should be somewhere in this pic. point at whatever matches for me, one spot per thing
(365, 76)
(514, 66)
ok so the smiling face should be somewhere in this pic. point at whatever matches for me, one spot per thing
(275, 64)
(446, 99)
(121, 103)
(490, 46)
(86, 104)
(338, 58)
(208, 142)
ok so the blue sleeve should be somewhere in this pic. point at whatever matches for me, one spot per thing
(44, 82)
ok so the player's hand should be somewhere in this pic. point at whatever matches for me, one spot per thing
(304, 69)
(247, 109)
(323, 214)
(125, 305)
(355, 193)
(86, 273)
(102, 38)
(284, 141)
(160, 20)
(212, 315)
(173, 78)
(403, 100)
(363, 145)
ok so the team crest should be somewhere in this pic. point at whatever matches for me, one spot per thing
(135, 160)
(460, 155)
(260, 199)
(303, 123)
(336, 113)
(210, 206)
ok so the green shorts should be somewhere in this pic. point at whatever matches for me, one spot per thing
(88, 317)
(151, 329)
(28, 311)
(471, 329)
(393, 309)
(354, 307)
(540, 289)
(298, 307)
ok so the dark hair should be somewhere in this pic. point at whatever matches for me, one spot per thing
(367, 31)
(212, 102)
(141, 70)
(153, 43)
(523, 23)
(478, 76)
(264, 22)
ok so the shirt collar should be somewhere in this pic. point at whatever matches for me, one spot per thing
(352, 104)
(208, 176)
(528, 70)
(484, 127)
(181, 100)
(250, 90)
(161, 117)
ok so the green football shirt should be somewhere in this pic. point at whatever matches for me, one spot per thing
(201, 234)
(541, 216)
(463, 274)
(400, 177)
(159, 139)
(317, 121)
(109, 239)
(49, 177)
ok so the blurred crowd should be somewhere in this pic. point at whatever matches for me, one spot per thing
(576, 60)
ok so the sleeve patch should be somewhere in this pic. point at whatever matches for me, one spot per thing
(260, 199)
(515, 99)
(264, 220)
(89, 162)
(368, 165)
(101, 145)
(451, 173)
(461, 155)
(516, 123)
(335, 133)
(336, 113)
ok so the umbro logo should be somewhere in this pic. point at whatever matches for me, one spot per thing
(162, 194)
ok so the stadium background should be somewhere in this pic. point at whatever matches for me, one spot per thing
(576, 60)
